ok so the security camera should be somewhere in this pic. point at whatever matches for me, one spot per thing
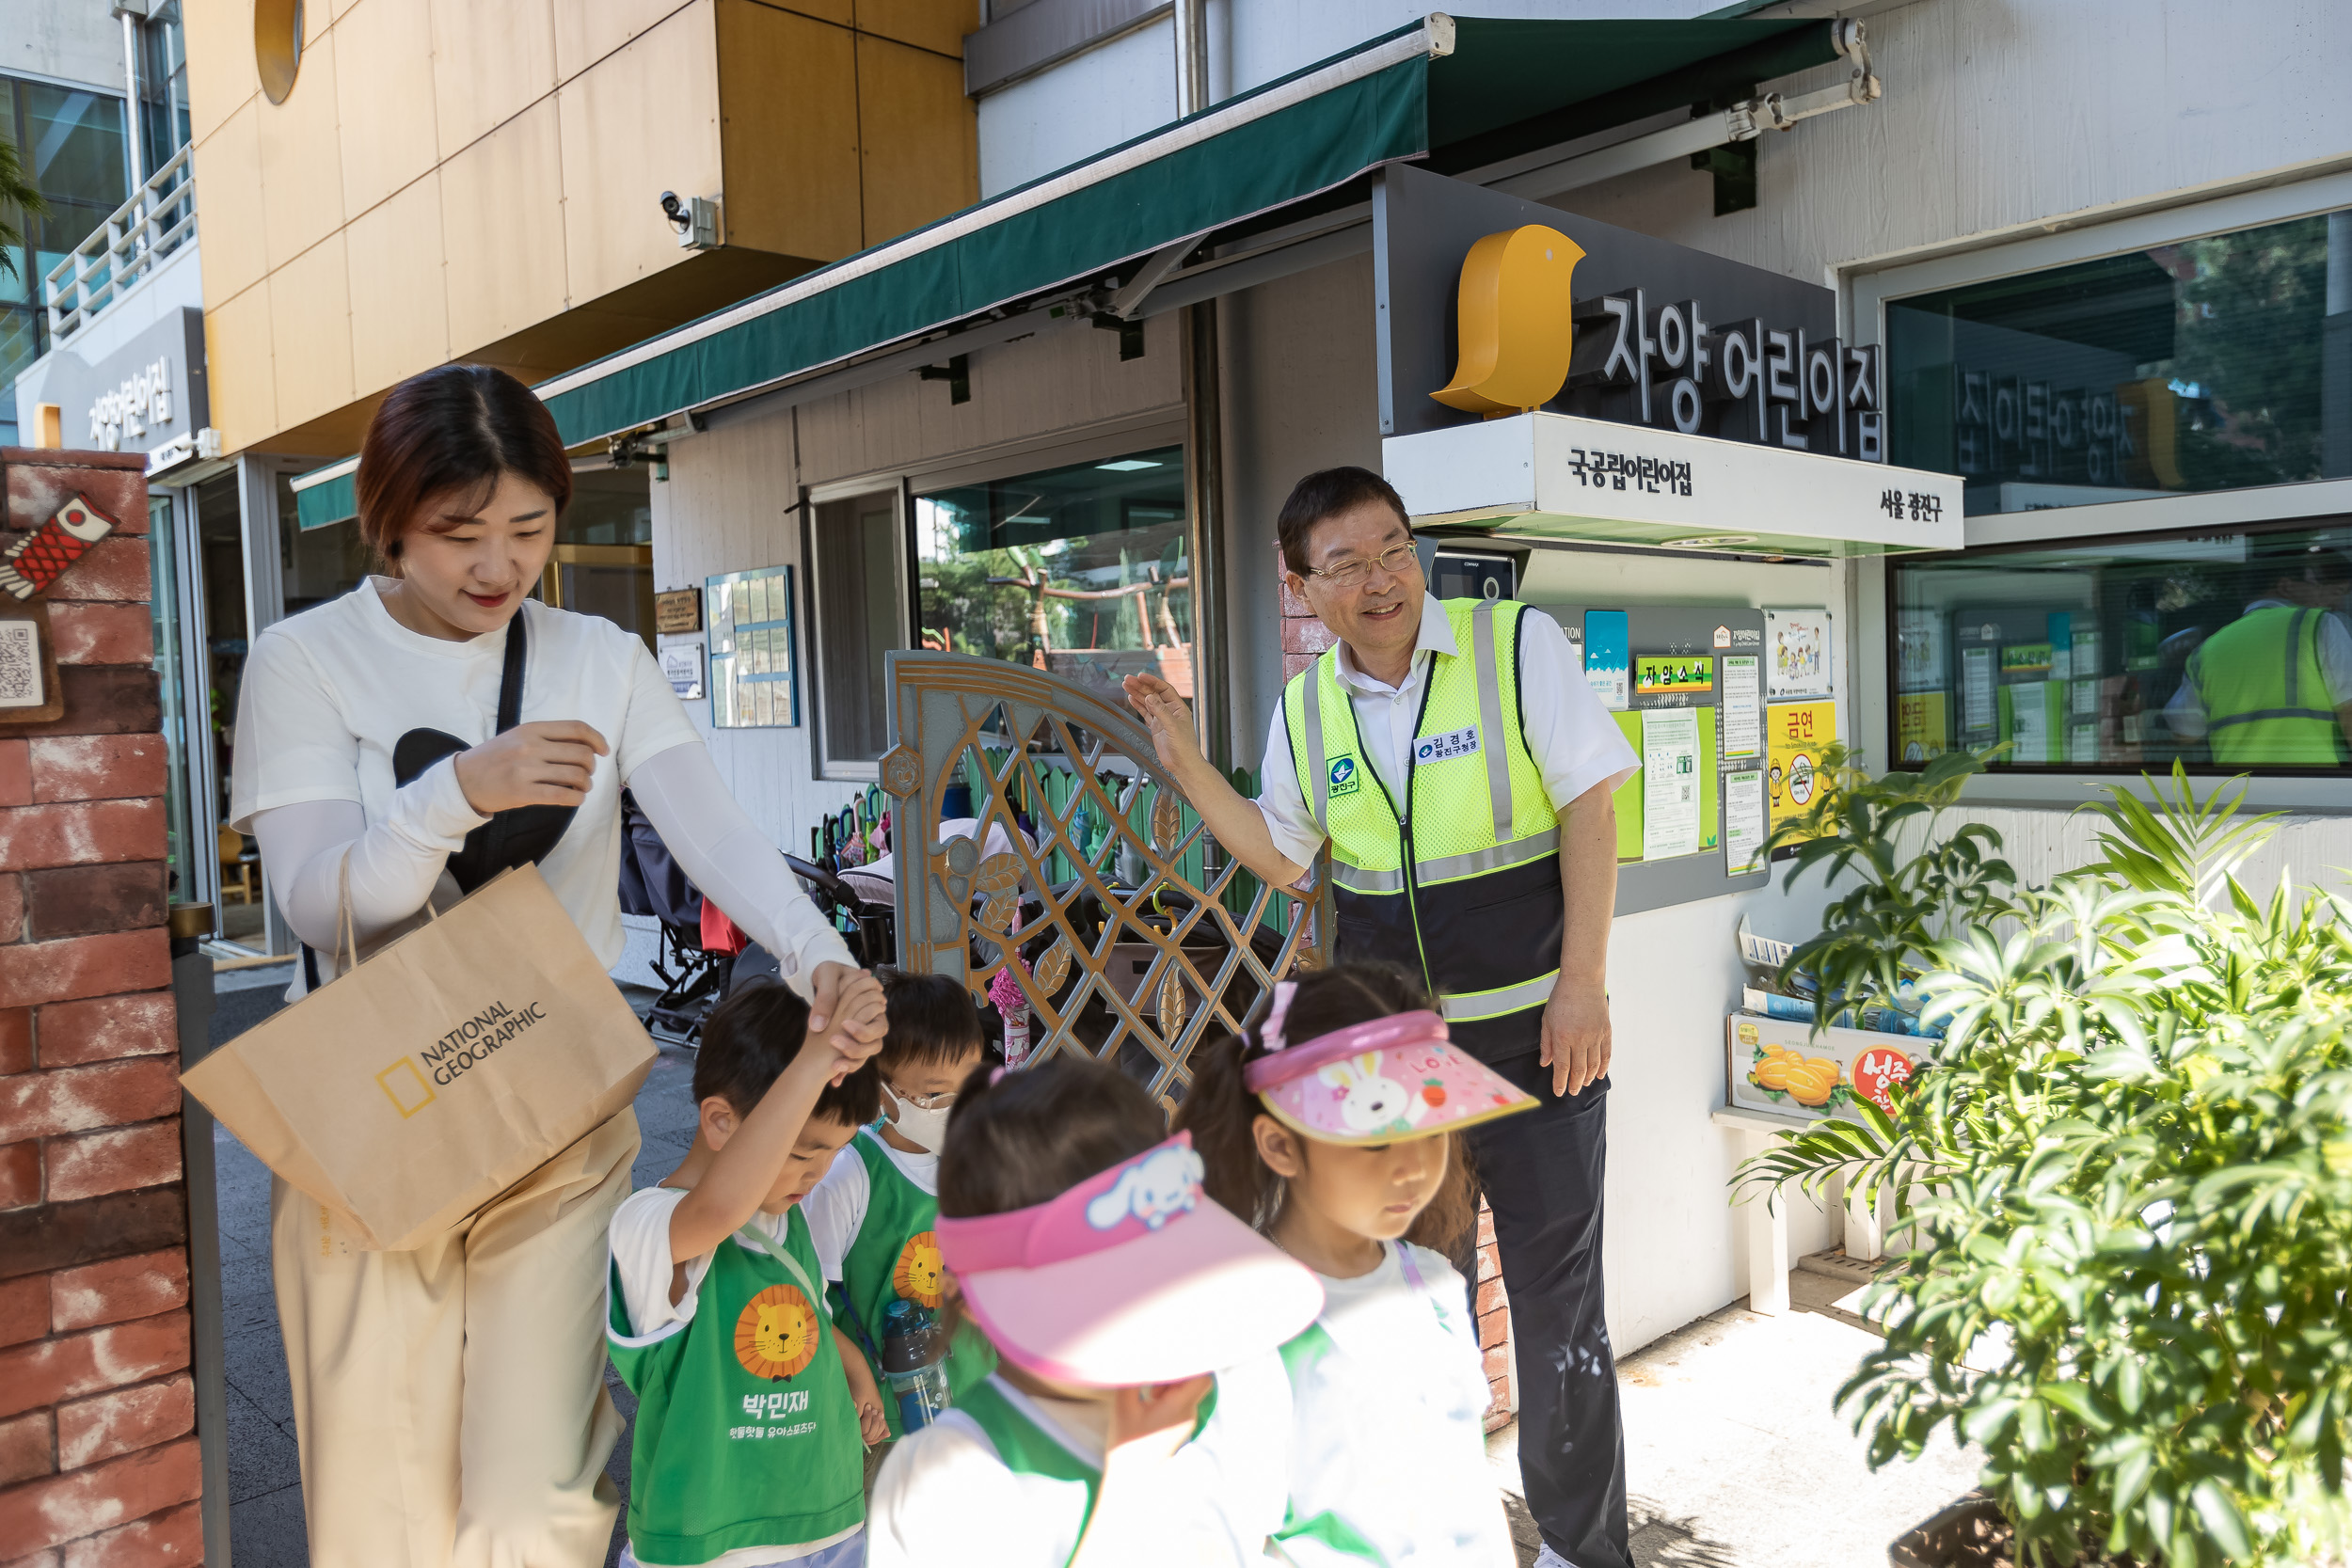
(694, 219)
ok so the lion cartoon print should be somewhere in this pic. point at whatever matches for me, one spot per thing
(776, 1335)
(915, 1276)
(1370, 1100)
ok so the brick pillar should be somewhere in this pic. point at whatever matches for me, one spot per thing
(1303, 636)
(98, 1460)
(1494, 1325)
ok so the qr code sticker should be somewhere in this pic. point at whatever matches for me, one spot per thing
(19, 664)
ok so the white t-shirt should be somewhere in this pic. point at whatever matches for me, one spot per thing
(638, 1232)
(944, 1489)
(1397, 1379)
(328, 694)
(1571, 736)
(836, 1207)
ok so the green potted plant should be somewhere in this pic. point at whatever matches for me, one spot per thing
(2122, 1250)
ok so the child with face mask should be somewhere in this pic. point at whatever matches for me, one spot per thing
(875, 1208)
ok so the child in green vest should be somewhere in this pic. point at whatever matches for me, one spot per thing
(752, 1409)
(874, 1210)
(1333, 1122)
(1076, 1237)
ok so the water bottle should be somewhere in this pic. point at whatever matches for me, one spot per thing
(914, 1362)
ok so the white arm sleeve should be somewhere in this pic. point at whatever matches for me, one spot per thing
(393, 864)
(723, 854)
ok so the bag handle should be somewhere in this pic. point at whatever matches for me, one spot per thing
(751, 1232)
(346, 927)
(510, 677)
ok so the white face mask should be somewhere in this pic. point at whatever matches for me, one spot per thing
(925, 1128)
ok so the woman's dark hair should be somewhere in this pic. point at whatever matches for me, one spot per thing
(448, 433)
(1220, 1113)
(752, 1036)
(1326, 493)
(934, 1020)
(1016, 1139)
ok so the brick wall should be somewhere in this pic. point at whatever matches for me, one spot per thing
(98, 1457)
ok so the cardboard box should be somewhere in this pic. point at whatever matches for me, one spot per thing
(1778, 1066)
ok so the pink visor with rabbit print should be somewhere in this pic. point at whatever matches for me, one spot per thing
(1377, 1083)
(1133, 1276)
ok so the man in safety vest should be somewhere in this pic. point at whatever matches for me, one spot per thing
(1461, 769)
(2274, 687)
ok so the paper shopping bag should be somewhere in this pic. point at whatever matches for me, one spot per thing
(438, 1072)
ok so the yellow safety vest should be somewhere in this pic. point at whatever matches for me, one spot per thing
(2265, 695)
(1462, 886)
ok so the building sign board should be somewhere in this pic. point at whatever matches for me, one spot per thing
(1469, 285)
(149, 395)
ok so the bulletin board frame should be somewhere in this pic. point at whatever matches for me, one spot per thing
(752, 668)
(1678, 638)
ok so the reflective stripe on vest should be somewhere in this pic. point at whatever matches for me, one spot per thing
(2256, 678)
(1478, 915)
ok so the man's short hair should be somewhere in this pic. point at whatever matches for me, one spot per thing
(1326, 493)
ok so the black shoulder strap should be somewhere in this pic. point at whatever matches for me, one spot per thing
(511, 681)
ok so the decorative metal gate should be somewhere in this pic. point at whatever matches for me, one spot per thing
(1135, 935)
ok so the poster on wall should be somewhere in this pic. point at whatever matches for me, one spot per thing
(1796, 653)
(1607, 662)
(1799, 732)
(682, 666)
(1743, 823)
(754, 664)
(1743, 706)
(1669, 783)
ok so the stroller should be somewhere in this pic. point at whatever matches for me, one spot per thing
(652, 884)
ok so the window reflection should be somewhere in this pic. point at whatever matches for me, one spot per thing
(1084, 571)
(2228, 652)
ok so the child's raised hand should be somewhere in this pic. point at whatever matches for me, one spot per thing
(854, 1032)
(1151, 1422)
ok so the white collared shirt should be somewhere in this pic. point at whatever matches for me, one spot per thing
(1571, 736)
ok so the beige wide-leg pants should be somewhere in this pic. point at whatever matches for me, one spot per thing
(449, 1400)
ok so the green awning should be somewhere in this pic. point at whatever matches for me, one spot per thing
(1454, 93)
(329, 494)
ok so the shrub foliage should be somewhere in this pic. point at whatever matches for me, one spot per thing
(2123, 1191)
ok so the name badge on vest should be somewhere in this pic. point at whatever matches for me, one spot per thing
(1454, 743)
(1344, 779)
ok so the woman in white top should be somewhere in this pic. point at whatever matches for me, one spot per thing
(407, 741)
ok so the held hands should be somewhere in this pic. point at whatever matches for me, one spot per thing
(1171, 721)
(847, 1019)
(1577, 1043)
(871, 1427)
(546, 764)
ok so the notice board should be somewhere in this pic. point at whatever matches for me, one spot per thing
(1686, 686)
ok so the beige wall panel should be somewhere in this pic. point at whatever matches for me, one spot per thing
(724, 510)
(384, 99)
(938, 26)
(310, 311)
(1065, 379)
(788, 93)
(588, 30)
(919, 136)
(239, 379)
(399, 304)
(490, 59)
(502, 229)
(229, 219)
(302, 174)
(221, 76)
(641, 122)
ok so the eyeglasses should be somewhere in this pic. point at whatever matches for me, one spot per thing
(1351, 574)
(929, 1101)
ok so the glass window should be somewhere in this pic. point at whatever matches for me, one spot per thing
(71, 142)
(2228, 652)
(2194, 366)
(859, 601)
(1085, 571)
(603, 558)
